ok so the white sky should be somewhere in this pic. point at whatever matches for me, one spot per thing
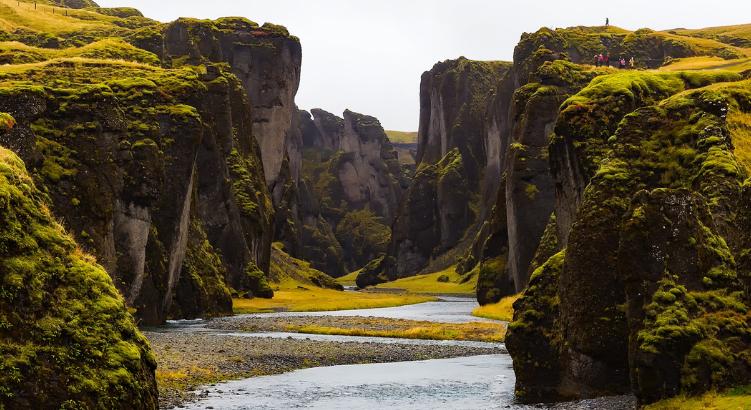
(368, 55)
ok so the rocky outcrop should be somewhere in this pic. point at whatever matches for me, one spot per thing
(130, 156)
(454, 156)
(649, 275)
(66, 337)
(265, 58)
(524, 113)
(355, 185)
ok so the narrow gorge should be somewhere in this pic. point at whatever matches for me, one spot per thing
(171, 219)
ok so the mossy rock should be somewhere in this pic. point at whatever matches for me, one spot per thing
(66, 337)
(256, 283)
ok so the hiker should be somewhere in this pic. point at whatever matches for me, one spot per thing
(607, 22)
(622, 63)
(597, 60)
(632, 63)
(607, 60)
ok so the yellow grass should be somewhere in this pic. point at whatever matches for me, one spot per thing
(430, 284)
(503, 310)
(477, 331)
(737, 399)
(739, 125)
(349, 279)
(107, 49)
(708, 63)
(184, 378)
(13, 16)
(317, 299)
(402, 137)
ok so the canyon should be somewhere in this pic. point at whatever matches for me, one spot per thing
(163, 171)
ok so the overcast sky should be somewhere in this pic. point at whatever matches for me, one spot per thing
(368, 55)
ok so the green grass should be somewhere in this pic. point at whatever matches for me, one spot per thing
(41, 19)
(450, 283)
(106, 49)
(735, 399)
(289, 273)
(402, 137)
(503, 310)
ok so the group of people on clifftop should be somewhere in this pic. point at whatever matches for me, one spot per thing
(603, 60)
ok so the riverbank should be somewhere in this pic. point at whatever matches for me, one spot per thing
(189, 359)
(366, 326)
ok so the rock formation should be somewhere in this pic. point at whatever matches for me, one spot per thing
(650, 209)
(136, 177)
(544, 74)
(445, 197)
(66, 337)
(353, 183)
(168, 180)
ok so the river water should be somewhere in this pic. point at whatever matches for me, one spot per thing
(475, 382)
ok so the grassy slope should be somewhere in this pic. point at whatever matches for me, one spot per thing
(110, 48)
(736, 399)
(348, 279)
(402, 137)
(41, 19)
(456, 284)
(708, 63)
(503, 310)
(296, 290)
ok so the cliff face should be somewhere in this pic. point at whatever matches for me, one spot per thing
(266, 59)
(353, 184)
(181, 211)
(454, 156)
(524, 113)
(130, 157)
(66, 336)
(651, 212)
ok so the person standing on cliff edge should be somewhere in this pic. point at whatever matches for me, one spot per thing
(607, 22)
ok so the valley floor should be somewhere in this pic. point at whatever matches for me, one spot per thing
(188, 360)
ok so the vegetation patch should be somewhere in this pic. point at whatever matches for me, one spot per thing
(476, 331)
(502, 310)
(83, 350)
(735, 399)
(311, 299)
(447, 281)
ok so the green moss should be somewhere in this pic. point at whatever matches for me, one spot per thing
(537, 321)
(7, 122)
(363, 236)
(256, 282)
(253, 201)
(202, 290)
(86, 339)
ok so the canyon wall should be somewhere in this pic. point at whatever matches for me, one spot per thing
(445, 199)
(353, 183)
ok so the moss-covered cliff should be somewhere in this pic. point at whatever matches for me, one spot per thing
(130, 152)
(66, 337)
(550, 66)
(652, 294)
(353, 184)
(446, 200)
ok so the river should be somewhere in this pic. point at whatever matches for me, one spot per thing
(475, 382)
